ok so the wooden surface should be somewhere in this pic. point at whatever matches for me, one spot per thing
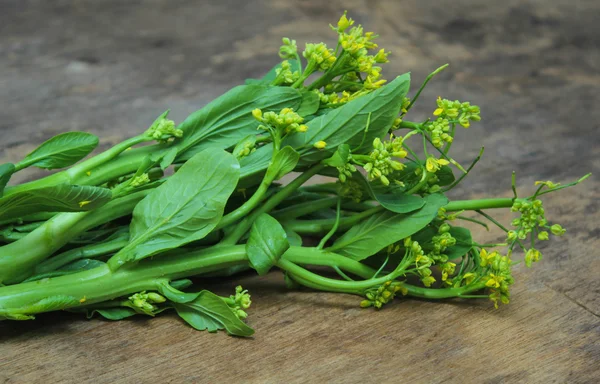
(110, 67)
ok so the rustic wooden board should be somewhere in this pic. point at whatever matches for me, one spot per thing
(109, 67)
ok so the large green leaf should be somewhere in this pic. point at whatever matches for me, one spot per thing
(58, 198)
(209, 312)
(267, 242)
(6, 171)
(62, 150)
(347, 123)
(185, 208)
(228, 119)
(384, 228)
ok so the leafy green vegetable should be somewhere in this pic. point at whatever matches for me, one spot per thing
(283, 163)
(61, 151)
(267, 242)
(391, 197)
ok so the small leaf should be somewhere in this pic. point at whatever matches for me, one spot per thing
(247, 142)
(390, 197)
(284, 162)
(340, 157)
(385, 228)
(118, 313)
(309, 105)
(209, 312)
(168, 158)
(58, 198)
(267, 242)
(6, 171)
(464, 243)
(186, 208)
(61, 151)
(293, 238)
(445, 176)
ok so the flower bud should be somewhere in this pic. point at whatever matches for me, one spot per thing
(557, 230)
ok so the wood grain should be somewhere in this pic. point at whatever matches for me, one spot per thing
(109, 67)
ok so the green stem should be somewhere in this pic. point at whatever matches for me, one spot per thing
(299, 210)
(77, 173)
(429, 77)
(315, 227)
(100, 284)
(18, 259)
(473, 205)
(269, 205)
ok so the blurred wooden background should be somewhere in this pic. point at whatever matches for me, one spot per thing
(110, 67)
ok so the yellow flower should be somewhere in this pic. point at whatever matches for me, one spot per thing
(320, 144)
(469, 277)
(432, 164)
(83, 203)
(487, 258)
(494, 281)
(257, 113)
(344, 23)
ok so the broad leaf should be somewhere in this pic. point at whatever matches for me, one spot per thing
(267, 242)
(293, 238)
(185, 208)
(58, 198)
(445, 176)
(340, 157)
(209, 312)
(384, 228)
(284, 162)
(347, 124)
(6, 171)
(228, 119)
(62, 150)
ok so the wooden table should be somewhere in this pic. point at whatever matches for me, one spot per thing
(110, 67)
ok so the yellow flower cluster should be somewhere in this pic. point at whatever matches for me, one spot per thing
(284, 74)
(381, 162)
(499, 277)
(433, 165)
(464, 113)
(319, 56)
(383, 295)
(286, 120)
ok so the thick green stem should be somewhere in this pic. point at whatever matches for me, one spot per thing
(100, 284)
(316, 227)
(473, 205)
(305, 208)
(18, 259)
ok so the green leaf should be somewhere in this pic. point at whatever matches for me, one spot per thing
(267, 242)
(61, 151)
(346, 124)
(186, 208)
(293, 238)
(340, 157)
(310, 104)
(168, 158)
(76, 266)
(445, 176)
(209, 312)
(247, 142)
(58, 198)
(6, 171)
(384, 228)
(391, 197)
(118, 313)
(464, 243)
(228, 119)
(284, 162)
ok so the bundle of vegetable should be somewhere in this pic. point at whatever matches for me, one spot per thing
(114, 235)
